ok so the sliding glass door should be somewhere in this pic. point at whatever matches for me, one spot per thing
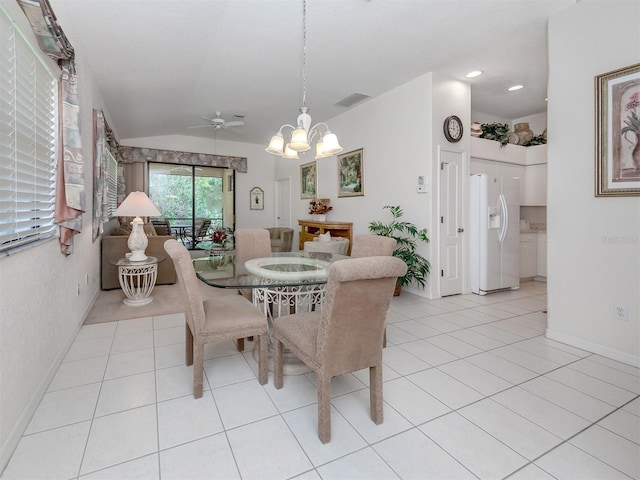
(194, 200)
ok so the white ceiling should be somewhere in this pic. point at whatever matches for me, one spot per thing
(161, 65)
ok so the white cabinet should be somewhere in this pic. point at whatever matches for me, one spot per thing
(542, 254)
(528, 255)
(535, 185)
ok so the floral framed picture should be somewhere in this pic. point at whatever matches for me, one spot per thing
(351, 174)
(308, 180)
(617, 165)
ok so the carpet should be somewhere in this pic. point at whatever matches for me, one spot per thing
(108, 307)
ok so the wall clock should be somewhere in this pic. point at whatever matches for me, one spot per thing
(453, 128)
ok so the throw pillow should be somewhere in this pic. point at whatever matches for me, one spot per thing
(324, 237)
(122, 230)
(149, 230)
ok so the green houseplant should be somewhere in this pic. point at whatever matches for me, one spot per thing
(407, 236)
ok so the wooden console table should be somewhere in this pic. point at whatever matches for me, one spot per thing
(312, 228)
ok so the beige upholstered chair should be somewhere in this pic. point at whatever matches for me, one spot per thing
(368, 245)
(347, 334)
(214, 319)
(249, 243)
(337, 245)
(281, 238)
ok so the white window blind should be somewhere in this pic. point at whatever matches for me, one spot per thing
(112, 183)
(28, 136)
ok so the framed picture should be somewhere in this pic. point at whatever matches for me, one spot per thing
(351, 174)
(308, 180)
(617, 98)
(256, 197)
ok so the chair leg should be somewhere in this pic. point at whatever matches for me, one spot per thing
(384, 339)
(263, 362)
(198, 369)
(188, 344)
(324, 408)
(240, 344)
(375, 394)
(278, 358)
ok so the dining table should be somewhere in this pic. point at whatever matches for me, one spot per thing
(282, 283)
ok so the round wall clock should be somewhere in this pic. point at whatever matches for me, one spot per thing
(453, 128)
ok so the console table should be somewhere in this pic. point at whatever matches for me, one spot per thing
(137, 279)
(312, 228)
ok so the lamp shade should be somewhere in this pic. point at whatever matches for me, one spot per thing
(330, 145)
(320, 153)
(137, 204)
(276, 144)
(290, 153)
(299, 141)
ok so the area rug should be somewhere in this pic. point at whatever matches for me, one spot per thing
(108, 307)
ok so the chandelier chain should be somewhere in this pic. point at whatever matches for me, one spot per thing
(304, 53)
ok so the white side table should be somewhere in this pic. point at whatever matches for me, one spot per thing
(137, 279)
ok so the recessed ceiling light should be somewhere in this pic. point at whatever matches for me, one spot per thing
(515, 87)
(475, 73)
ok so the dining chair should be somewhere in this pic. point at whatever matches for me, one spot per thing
(214, 319)
(369, 245)
(346, 335)
(249, 243)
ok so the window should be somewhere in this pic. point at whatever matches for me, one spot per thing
(28, 127)
(112, 183)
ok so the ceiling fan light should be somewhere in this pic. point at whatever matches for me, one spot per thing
(276, 145)
(330, 145)
(290, 153)
(299, 141)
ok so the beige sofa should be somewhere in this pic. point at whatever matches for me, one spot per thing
(114, 247)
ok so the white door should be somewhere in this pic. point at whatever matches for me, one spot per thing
(283, 202)
(451, 224)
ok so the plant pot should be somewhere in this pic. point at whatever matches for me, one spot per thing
(318, 217)
(397, 290)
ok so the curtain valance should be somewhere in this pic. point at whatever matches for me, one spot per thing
(137, 154)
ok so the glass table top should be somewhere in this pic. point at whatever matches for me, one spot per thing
(285, 269)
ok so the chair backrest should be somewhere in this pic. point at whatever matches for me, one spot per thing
(357, 298)
(369, 245)
(282, 238)
(203, 228)
(189, 283)
(251, 243)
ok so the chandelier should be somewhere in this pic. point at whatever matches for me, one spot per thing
(303, 133)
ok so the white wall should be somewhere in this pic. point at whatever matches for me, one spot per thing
(40, 311)
(260, 171)
(593, 252)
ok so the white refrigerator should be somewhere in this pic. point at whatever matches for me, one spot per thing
(494, 233)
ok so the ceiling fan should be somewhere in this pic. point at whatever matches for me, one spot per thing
(220, 123)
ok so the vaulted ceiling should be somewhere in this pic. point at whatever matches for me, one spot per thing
(162, 65)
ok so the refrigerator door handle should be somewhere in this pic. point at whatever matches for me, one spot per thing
(505, 218)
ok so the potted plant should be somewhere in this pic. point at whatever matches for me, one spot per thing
(407, 236)
(495, 131)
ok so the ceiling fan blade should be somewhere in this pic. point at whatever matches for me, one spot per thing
(237, 123)
(202, 126)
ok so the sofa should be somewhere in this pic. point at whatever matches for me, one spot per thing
(281, 238)
(114, 246)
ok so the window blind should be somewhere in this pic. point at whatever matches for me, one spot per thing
(28, 140)
(112, 184)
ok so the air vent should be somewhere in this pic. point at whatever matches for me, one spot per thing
(351, 100)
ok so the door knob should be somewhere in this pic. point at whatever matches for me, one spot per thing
(460, 230)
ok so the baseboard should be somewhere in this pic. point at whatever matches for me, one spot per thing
(30, 408)
(582, 344)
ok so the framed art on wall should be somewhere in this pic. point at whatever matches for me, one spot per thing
(617, 98)
(351, 174)
(256, 199)
(308, 180)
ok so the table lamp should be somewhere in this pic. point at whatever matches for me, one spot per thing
(137, 205)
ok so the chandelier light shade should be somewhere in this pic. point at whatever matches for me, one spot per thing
(303, 134)
(137, 205)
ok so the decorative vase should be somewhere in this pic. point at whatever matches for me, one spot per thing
(319, 217)
(524, 132)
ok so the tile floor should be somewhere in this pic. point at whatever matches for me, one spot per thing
(472, 389)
